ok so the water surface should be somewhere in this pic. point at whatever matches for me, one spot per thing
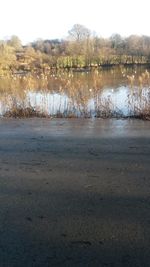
(117, 91)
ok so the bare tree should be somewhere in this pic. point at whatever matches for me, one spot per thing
(79, 32)
(15, 42)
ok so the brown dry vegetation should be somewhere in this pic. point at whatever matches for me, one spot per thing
(14, 89)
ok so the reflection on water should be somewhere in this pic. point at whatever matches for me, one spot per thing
(49, 103)
(111, 92)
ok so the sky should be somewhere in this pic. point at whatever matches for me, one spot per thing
(50, 19)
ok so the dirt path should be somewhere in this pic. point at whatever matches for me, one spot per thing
(74, 193)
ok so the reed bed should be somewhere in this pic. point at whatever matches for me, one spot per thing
(70, 94)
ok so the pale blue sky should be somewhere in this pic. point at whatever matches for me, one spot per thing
(47, 19)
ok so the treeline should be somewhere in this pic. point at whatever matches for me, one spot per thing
(81, 49)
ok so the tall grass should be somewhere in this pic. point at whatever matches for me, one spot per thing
(139, 97)
(71, 94)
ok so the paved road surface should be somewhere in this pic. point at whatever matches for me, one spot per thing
(74, 193)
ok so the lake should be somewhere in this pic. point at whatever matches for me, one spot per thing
(108, 92)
